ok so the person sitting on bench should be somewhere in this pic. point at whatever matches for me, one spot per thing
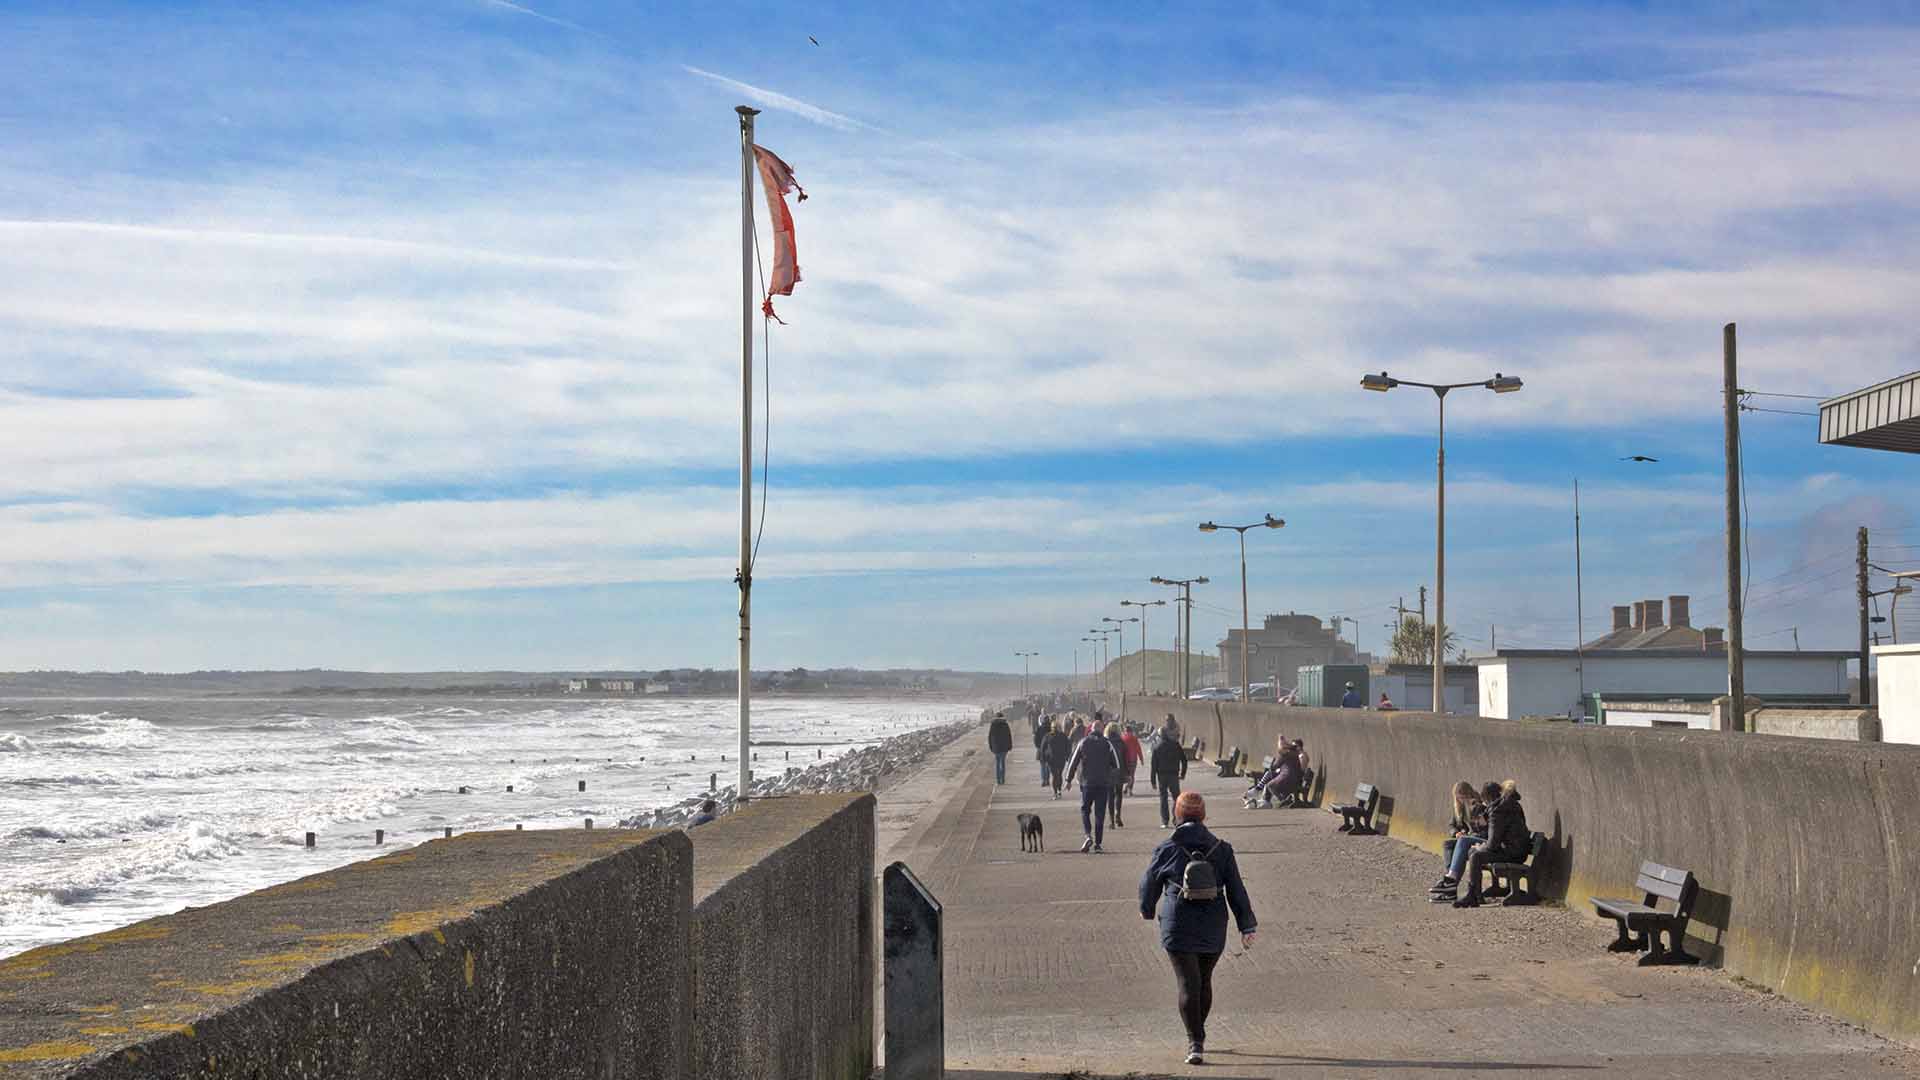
(1469, 830)
(1282, 784)
(1507, 841)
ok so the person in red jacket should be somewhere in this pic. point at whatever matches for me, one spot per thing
(1134, 753)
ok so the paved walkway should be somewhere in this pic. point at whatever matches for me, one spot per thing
(1051, 971)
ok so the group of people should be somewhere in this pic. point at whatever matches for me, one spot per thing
(1283, 782)
(1104, 757)
(1488, 826)
(1192, 880)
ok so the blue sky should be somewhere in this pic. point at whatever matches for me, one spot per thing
(403, 336)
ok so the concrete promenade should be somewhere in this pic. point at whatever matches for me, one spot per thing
(1051, 971)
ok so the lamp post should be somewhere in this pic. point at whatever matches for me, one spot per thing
(1027, 673)
(1120, 639)
(1270, 522)
(1143, 605)
(1499, 384)
(1103, 631)
(1337, 620)
(1185, 585)
(1090, 643)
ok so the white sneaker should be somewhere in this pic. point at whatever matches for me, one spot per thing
(1193, 1055)
(1087, 844)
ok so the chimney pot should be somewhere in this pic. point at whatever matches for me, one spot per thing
(1639, 614)
(1654, 608)
(1677, 612)
(1712, 636)
(1622, 617)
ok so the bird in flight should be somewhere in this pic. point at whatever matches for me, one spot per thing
(813, 39)
(1641, 457)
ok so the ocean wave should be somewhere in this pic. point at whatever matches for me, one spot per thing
(148, 822)
(98, 731)
(15, 743)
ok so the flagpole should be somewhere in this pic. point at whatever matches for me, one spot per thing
(746, 446)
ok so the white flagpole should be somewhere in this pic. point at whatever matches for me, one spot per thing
(746, 444)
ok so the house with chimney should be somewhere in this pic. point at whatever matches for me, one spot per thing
(1653, 653)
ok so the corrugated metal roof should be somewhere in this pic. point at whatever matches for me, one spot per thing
(1883, 417)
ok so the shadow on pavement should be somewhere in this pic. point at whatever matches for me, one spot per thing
(1392, 1063)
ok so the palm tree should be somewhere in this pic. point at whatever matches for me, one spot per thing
(1413, 642)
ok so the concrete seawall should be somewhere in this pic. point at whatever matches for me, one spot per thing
(1807, 851)
(543, 954)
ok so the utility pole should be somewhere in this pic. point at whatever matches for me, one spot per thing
(1736, 674)
(1866, 693)
(1579, 606)
(1423, 617)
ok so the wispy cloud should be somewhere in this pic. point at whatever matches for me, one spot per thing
(508, 5)
(774, 100)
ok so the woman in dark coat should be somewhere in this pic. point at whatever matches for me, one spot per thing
(1057, 749)
(1507, 841)
(1194, 932)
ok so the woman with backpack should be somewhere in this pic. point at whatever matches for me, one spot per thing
(1192, 882)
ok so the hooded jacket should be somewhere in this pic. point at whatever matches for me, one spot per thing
(1188, 925)
(999, 736)
(1057, 747)
(1168, 761)
(1507, 837)
(1096, 760)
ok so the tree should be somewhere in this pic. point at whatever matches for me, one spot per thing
(1413, 642)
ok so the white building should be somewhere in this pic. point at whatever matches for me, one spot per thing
(1547, 682)
(1646, 657)
(1899, 700)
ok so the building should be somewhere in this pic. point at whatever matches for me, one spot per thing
(1885, 416)
(1647, 657)
(604, 686)
(1410, 686)
(1280, 647)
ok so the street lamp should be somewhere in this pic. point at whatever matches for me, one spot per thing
(1270, 522)
(1103, 631)
(1499, 384)
(1185, 585)
(1143, 605)
(1027, 657)
(1120, 639)
(1337, 620)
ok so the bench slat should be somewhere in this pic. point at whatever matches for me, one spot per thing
(1665, 881)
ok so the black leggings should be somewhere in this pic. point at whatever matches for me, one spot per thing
(1194, 972)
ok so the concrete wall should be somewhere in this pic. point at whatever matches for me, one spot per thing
(1850, 724)
(544, 954)
(1512, 687)
(783, 940)
(1807, 850)
(1898, 693)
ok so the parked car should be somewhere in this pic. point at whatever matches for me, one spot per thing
(1214, 693)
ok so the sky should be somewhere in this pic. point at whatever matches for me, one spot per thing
(405, 336)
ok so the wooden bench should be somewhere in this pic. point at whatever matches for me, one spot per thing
(1230, 765)
(1357, 816)
(1195, 747)
(1641, 923)
(1513, 873)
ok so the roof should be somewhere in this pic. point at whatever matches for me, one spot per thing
(1885, 416)
(1676, 654)
(1654, 637)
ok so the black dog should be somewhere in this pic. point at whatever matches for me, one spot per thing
(1031, 833)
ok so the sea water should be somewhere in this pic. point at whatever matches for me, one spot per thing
(113, 811)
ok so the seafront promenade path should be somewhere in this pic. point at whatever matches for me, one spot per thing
(1051, 972)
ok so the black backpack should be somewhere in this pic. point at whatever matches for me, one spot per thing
(1200, 882)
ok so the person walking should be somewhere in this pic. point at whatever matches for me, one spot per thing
(1192, 881)
(1040, 729)
(1118, 792)
(999, 743)
(1058, 747)
(1166, 768)
(1134, 752)
(1097, 764)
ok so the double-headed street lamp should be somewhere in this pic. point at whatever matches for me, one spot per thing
(1270, 522)
(1103, 631)
(1143, 605)
(1028, 672)
(1499, 384)
(1090, 643)
(1185, 585)
(1120, 636)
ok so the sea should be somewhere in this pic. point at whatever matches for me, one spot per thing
(117, 810)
